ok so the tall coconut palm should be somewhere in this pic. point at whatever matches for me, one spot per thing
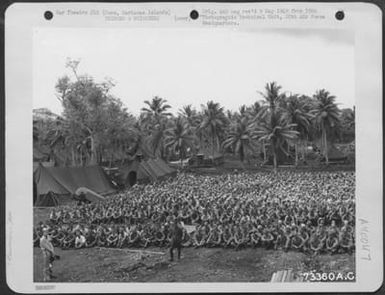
(254, 111)
(155, 117)
(239, 138)
(273, 100)
(271, 125)
(347, 124)
(277, 131)
(296, 112)
(140, 142)
(190, 114)
(269, 107)
(327, 117)
(230, 115)
(179, 137)
(156, 108)
(213, 122)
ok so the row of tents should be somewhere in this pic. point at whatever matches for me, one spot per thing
(60, 185)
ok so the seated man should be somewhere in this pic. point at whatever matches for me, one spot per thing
(199, 238)
(69, 240)
(304, 236)
(117, 215)
(186, 239)
(239, 238)
(80, 240)
(122, 236)
(100, 237)
(54, 216)
(228, 237)
(287, 235)
(332, 242)
(346, 241)
(90, 239)
(159, 236)
(112, 239)
(133, 238)
(146, 237)
(256, 236)
(267, 239)
(213, 238)
(279, 240)
(296, 241)
(54, 235)
(315, 243)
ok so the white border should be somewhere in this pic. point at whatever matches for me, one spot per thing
(364, 18)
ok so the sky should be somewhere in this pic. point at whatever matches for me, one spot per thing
(192, 66)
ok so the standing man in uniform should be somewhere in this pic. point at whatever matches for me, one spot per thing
(48, 255)
(176, 238)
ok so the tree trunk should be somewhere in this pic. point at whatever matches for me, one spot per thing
(296, 154)
(73, 157)
(93, 159)
(264, 151)
(241, 154)
(275, 160)
(273, 148)
(325, 145)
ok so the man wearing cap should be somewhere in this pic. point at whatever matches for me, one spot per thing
(48, 252)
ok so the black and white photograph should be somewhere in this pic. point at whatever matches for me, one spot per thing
(218, 157)
(219, 144)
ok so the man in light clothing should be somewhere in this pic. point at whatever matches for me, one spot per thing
(80, 240)
(48, 255)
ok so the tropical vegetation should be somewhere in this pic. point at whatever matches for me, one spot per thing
(96, 128)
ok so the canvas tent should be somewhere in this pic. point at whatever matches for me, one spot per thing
(144, 171)
(64, 181)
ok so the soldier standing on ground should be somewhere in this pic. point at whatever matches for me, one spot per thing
(48, 255)
(176, 239)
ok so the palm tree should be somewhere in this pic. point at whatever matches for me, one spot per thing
(157, 108)
(327, 117)
(239, 138)
(155, 117)
(271, 125)
(296, 112)
(191, 115)
(213, 122)
(348, 124)
(230, 115)
(254, 110)
(273, 103)
(276, 131)
(178, 137)
(140, 141)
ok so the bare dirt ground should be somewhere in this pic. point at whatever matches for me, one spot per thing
(196, 265)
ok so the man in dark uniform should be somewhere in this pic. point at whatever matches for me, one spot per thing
(176, 238)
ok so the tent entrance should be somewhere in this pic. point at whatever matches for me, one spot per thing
(131, 178)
